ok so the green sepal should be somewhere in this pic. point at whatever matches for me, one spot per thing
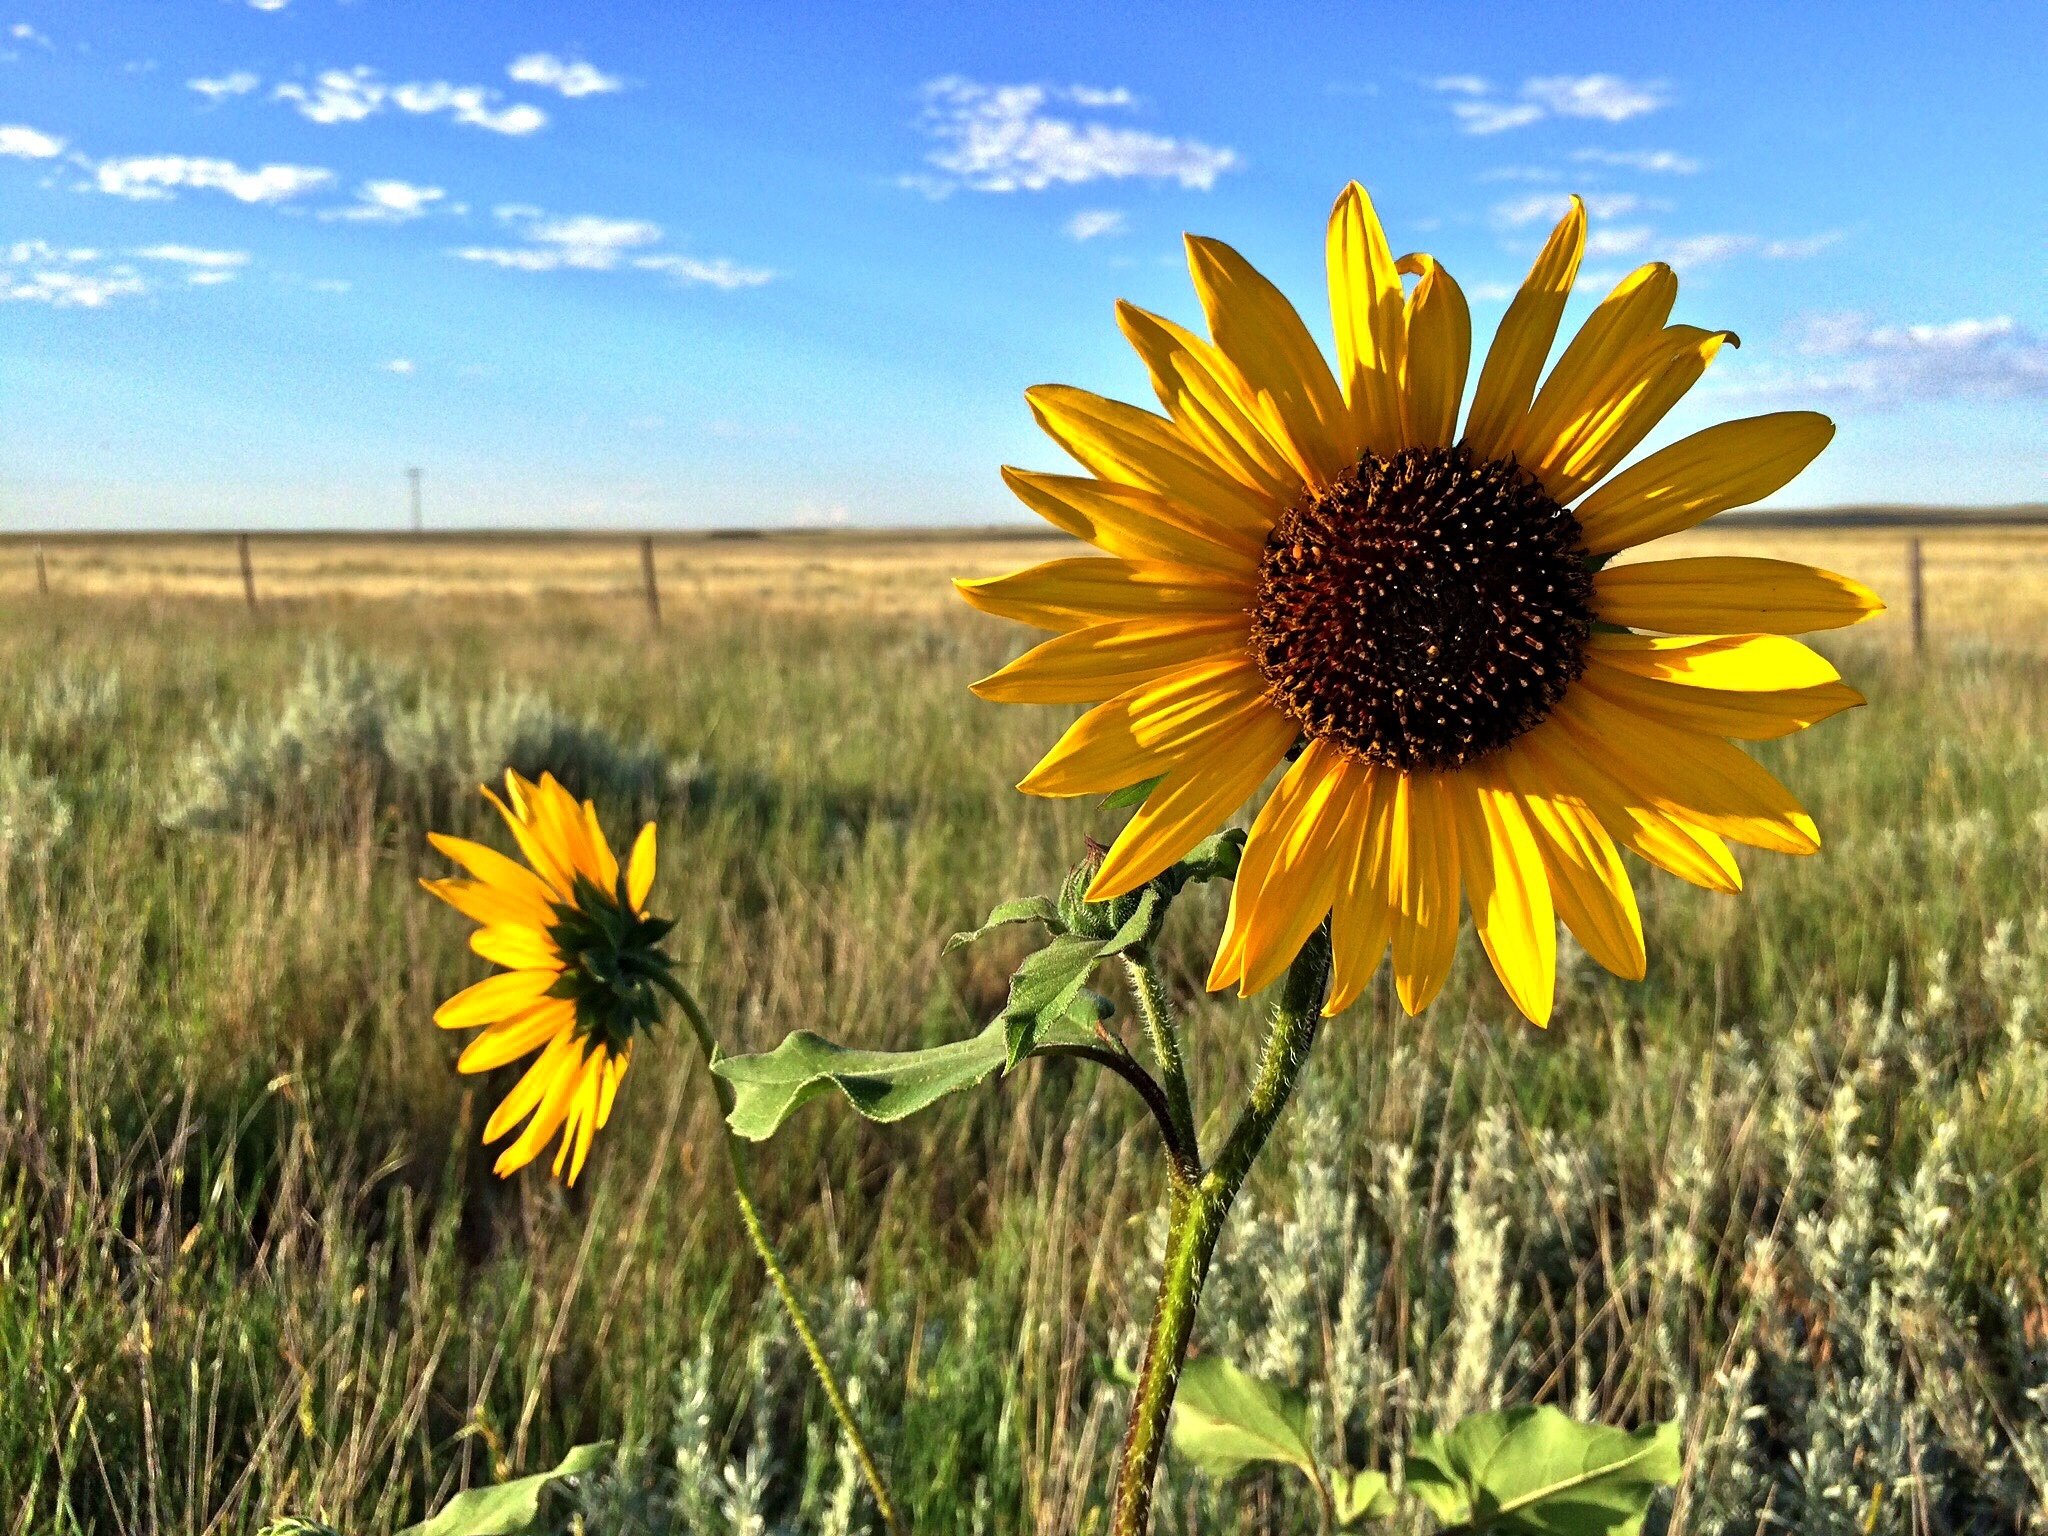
(1532, 1471)
(1141, 927)
(1360, 1496)
(1225, 1419)
(1215, 857)
(507, 1509)
(1130, 796)
(1024, 909)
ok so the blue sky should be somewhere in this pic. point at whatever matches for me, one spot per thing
(645, 264)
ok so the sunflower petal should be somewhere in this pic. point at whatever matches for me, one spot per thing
(1139, 734)
(1088, 665)
(1760, 662)
(1366, 304)
(1196, 797)
(1435, 356)
(1747, 715)
(1588, 884)
(548, 1116)
(582, 1124)
(514, 1037)
(640, 868)
(1259, 331)
(1362, 919)
(1423, 864)
(517, 947)
(1730, 594)
(1606, 435)
(494, 998)
(1135, 523)
(1071, 594)
(1507, 379)
(1294, 859)
(1214, 407)
(1730, 465)
(1589, 372)
(484, 903)
(494, 871)
(536, 848)
(533, 1086)
(1508, 888)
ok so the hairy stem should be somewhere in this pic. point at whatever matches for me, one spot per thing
(1195, 1222)
(772, 1262)
(1157, 1009)
(1183, 1160)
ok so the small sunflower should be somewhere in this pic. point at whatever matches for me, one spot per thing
(1477, 708)
(582, 965)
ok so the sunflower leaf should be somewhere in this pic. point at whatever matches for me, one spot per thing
(1532, 1471)
(508, 1509)
(1044, 990)
(1225, 1419)
(1023, 909)
(1131, 795)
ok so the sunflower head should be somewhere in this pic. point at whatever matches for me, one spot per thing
(581, 964)
(1322, 573)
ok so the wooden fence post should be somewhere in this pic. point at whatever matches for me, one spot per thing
(42, 574)
(653, 587)
(248, 570)
(1916, 595)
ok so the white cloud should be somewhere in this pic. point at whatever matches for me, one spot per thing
(1002, 138)
(1094, 223)
(1703, 250)
(388, 202)
(36, 272)
(404, 367)
(239, 82)
(1622, 241)
(1549, 207)
(350, 95)
(572, 78)
(1662, 162)
(269, 5)
(1850, 360)
(22, 143)
(153, 177)
(1608, 98)
(22, 32)
(194, 256)
(590, 243)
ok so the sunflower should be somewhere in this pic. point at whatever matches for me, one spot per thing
(1324, 571)
(582, 964)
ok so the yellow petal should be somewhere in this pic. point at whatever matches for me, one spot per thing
(1088, 665)
(514, 881)
(1214, 407)
(615, 1073)
(494, 998)
(1363, 917)
(1747, 715)
(1696, 778)
(640, 868)
(1730, 594)
(582, 1124)
(1195, 799)
(1656, 380)
(1591, 369)
(562, 1056)
(1136, 524)
(1423, 862)
(1140, 734)
(1588, 884)
(1716, 661)
(1294, 859)
(549, 1115)
(1132, 447)
(1259, 331)
(1072, 594)
(1366, 304)
(492, 904)
(1508, 889)
(517, 947)
(1435, 356)
(607, 861)
(1730, 465)
(1507, 379)
(561, 819)
(548, 862)
(526, 1031)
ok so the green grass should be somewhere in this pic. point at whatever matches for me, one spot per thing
(252, 1259)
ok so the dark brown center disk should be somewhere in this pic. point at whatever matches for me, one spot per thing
(1425, 610)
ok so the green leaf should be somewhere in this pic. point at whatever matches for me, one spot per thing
(1225, 1419)
(1361, 1496)
(1138, 927)
(508, 1508)
(1025, 909)
(883, 1085)
(1044, 990)
(1130, 796)
(1214, 858)
(1535, 1472)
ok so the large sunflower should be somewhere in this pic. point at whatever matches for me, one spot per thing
(1477, 708)
(582, 961)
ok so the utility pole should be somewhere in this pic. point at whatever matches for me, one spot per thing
(414, 476)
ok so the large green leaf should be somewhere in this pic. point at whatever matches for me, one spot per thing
(1535, 1472)
(1225, 1419)
(1360, 1496)
(1044, 991)
(1024, 909)
(508, 1508)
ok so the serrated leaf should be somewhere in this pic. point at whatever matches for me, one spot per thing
(1360, 1496)
(1137, 928)
(507, 1509)
(1130, 796)
(1043, 991)
(1224, 1419)
(1533, 1471)
(1024, 909)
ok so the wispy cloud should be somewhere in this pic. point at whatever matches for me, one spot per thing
(147, 178)
(351, 95)
(571, 78)
(1019, 138)
(590, 243)
(404, 367)
(268, 5)
(203, 268)
(1661, 162)
(1852, 361)
(1549, 207)
(1095, 223)
(1607, 98)
(36, 272)
(238, 82)
(22, 143)
(1704, 250)
(388, 202)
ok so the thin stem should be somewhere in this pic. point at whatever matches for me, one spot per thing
(1157, 1009)
(1182, 1158)
(1195, 1223)
(772, 1262)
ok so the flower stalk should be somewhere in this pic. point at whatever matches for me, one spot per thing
(1195, 1218)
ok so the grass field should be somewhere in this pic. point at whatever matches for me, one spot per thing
(1789, 1189)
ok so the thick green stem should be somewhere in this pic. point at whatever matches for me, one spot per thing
(772, 1262)
(1157, 1009)
(1195, 1222)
